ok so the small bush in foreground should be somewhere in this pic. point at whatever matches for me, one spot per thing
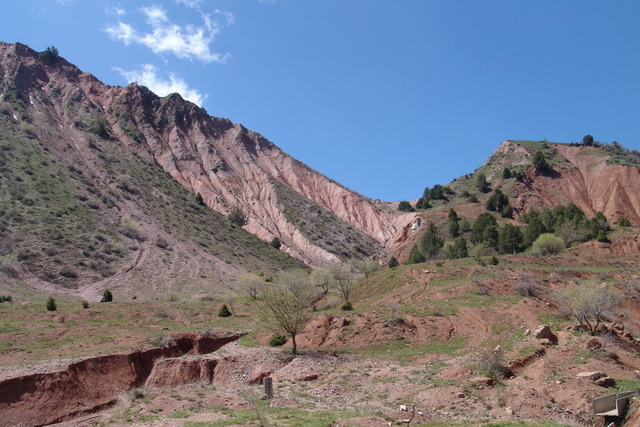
(51, 304)
(347, 306)
(277, 340)
(224, 311)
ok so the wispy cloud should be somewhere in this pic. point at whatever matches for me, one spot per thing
(186, 42)
(148, 76)
(190, 3)
(64, 2)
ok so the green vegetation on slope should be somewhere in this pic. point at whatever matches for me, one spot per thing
(322, 227)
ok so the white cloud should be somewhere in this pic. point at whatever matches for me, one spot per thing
(186, 42)
(190, 3)
(148, 76)
(64, 2)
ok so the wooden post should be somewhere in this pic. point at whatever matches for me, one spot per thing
(268, 387)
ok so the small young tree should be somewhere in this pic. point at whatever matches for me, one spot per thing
(286, 308)
(321, 277)
(251, 284)
(587, 140)
(199, 199)
(369, 267)
(343, 279)
(506, 173)
(454, 226)
(51, 304)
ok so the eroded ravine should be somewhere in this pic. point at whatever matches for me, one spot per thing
(83, 386)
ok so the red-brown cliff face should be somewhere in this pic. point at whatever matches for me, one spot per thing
(589, 182)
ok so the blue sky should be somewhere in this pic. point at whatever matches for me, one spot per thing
(385, 97)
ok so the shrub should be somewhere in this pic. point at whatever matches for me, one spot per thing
(506, 173)
(393, 262)
(405, 206)
(277, 340)
(493, 260)
(68, 273)
(587, 140)
(540, 162)
(6, 298)
(602, 237)
(237, 217)
(98, 125)
(224, 311)
(416, 256)
(529, 288)
(430, 242)
(199, 199)
(347, 306)
(490, 364)
(162, 243)
(624, 222)
(107, 296)
(85, 304)
(49, 56)
(481, 183)
(51, 304)
(497, 202)
(547, 244)
(276, 243)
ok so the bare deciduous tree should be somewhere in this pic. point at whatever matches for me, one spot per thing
(343, 279)
(286, 307)
(589, 304)
(369, 267)
(251, 284)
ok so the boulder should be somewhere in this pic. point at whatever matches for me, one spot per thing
(481, 381)
(594, 375)
(606, 382)
(593, 343)
(543, 331)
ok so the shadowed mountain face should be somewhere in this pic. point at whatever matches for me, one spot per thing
(100, 184)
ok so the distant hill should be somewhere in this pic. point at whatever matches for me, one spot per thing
(596, 178)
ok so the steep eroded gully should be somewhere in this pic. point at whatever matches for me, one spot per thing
(69, 390)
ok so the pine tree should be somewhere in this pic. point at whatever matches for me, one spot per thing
(482, 184)
(416, 256)
(430, 242)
